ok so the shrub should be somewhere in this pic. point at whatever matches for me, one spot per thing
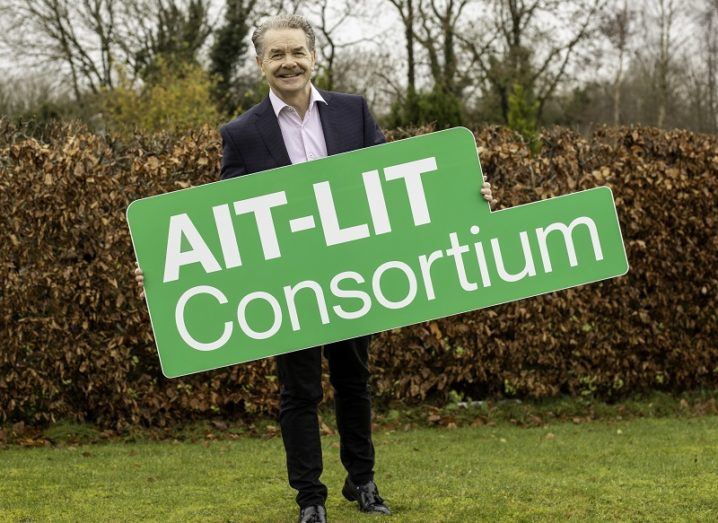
(176, 98)
(77, 342)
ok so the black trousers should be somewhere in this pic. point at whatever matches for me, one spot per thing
(301, 391)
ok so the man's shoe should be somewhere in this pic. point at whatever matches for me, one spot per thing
(367, 495)
(313, 514)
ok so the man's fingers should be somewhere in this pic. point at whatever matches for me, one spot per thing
(140, 279)
(486, 193)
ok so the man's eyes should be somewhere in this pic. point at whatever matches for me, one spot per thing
(275, 56)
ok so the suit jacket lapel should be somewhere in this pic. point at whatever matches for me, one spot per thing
(268, 128)
(329, 123)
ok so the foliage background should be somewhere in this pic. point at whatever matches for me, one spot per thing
(523, 64)
(77, 341)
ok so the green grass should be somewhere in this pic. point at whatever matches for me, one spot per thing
(641, 469)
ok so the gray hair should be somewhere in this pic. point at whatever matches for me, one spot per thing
(282, 21)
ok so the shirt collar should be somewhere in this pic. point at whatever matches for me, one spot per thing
(278, 104)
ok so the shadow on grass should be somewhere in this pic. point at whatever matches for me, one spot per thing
(387, 416)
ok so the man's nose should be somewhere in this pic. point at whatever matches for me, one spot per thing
(289, 62)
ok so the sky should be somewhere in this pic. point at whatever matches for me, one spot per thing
(380, 22)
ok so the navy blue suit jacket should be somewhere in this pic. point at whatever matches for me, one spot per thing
(253, 141)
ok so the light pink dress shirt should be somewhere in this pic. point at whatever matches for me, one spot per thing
(304, 139)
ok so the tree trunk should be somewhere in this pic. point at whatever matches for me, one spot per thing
(617, 91)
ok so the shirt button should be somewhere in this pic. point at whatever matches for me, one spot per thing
(311, 155)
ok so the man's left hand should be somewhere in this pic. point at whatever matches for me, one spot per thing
(486, 193)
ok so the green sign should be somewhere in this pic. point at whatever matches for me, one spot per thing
(353, 244)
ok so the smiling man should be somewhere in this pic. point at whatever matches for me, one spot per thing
(296, 123)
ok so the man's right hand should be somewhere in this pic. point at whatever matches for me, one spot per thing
(139, 276)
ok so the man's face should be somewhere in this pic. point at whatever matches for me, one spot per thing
(286, 62)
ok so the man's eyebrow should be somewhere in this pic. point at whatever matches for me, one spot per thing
(300, 48)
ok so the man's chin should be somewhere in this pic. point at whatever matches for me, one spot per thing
(291, 88)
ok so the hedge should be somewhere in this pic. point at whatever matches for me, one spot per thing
(76, 338)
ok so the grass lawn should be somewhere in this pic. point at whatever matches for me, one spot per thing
(644, 469)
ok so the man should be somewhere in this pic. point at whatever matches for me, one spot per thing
(297, 123)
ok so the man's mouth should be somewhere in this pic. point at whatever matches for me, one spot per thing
(289, 75)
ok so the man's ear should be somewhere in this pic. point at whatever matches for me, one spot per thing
(259, 63)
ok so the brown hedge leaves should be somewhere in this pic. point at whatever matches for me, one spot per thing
(76, 339)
